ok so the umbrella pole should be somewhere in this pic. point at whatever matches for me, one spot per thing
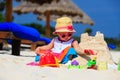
(8, 18)
(47, 24)
(8, 13)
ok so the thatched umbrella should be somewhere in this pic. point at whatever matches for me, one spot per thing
(54, 8)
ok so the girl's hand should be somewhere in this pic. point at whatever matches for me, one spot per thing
(37, 51)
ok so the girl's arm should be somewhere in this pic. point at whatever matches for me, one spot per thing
(80, 51)
(77, 48)
(45, 47)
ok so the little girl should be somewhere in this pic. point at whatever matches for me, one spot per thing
(63, 47)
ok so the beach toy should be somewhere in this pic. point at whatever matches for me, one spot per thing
(74, 64)
(119, 65)
(102, 66)
(91, 63)
(89, 52)
(83, 67)
(48, 59)
(75, 67)
(37, 58)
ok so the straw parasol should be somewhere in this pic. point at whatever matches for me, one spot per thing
(51, 10)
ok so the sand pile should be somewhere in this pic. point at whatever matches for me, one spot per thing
(98, 44)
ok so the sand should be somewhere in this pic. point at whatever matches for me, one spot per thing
(15, 68)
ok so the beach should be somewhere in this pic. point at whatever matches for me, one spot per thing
(16, 68)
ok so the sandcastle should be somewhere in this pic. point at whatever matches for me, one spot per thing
(96, 43)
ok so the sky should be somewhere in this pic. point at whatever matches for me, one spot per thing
(104, 13)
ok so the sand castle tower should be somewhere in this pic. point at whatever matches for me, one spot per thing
(98, 44)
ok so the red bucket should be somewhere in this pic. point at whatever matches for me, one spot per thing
(48, 59)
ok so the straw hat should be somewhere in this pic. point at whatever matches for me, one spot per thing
(64, 24)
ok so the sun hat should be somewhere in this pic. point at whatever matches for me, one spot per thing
(64, 24)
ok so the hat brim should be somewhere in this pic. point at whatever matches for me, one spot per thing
(62, 31)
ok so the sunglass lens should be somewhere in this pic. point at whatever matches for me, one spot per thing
(69, 35)
(63, 36)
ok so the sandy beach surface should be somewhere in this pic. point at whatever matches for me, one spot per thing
(15, 68)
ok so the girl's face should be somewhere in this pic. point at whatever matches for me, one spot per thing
(64, 36)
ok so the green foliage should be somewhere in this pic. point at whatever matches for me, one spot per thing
(1, 18)
(113, 41)
(118, 48)
(88, 30)
(2, 5)
(52, 30)
(40, 28)
(76, 38)
(37, 27)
